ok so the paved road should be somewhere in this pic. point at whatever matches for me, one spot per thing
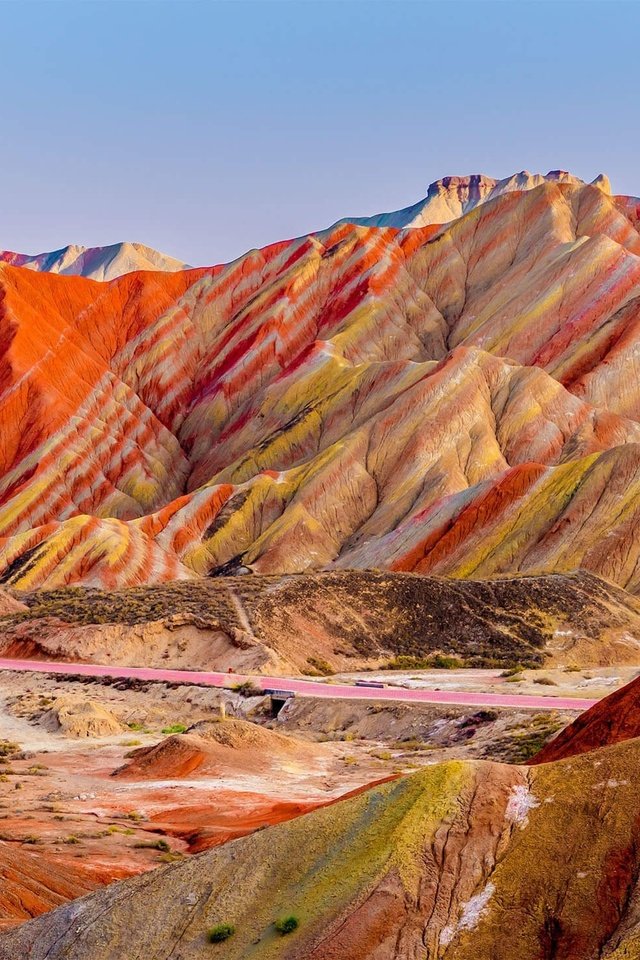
(308, 688)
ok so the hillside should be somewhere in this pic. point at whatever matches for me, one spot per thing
(350, 618)
(455, 399)
(33, 883)
(612, 720)
(466, 860)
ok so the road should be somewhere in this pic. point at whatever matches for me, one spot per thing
(308, 688)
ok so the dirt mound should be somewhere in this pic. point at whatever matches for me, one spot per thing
(340, 620)
(468, 859)
(611, 720)
(216, 748)
(81, 718)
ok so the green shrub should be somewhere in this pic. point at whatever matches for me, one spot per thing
(286, 925)
(175, 728)
(221, 932)
(322, 667)
(512, 671)
(159, 844)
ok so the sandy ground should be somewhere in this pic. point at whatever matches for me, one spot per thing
(593, 684)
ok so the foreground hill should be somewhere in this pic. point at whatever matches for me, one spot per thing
(465, 860)
(459, 400)
(98, 263)
(349, 618)
(612, 720)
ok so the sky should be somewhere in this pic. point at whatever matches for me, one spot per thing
(207, 128)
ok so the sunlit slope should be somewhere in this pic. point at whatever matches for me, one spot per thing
(459, 400)
(465, 860)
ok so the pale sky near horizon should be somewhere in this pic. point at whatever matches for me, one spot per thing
(206, 128)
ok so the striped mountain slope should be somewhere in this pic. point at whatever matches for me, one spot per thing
(458, 399)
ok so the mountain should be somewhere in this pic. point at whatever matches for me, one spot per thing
(612, 720)
(458, 400)
(450, 198)
(468, 860)
(98, 263)
(356, 619)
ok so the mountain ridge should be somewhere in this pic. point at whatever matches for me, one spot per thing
(449, 400)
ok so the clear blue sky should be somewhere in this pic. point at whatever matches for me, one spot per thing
(206, 128)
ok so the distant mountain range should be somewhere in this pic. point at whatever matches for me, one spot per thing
(446, 200)
(97, 263)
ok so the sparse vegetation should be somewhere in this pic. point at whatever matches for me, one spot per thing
(512, 671)
(545, 682)
(175, 728)
(247, 689)
(524, 742)
(319, 667)
(220, 932)
(285, 925)
(170, 857)
(435, 661)
(8, 749)
(158, 844)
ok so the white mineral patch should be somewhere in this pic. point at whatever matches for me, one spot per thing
(472, 911)
(520, 803)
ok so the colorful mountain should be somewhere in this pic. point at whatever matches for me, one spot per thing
(466, 860)
(459, 400)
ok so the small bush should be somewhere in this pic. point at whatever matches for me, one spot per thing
(160, 844)
(322, 667)
(221, 932)
(545, 681)
(175, 728)
(286, 925)
(71, 839)
(512, 671)
(247, 689)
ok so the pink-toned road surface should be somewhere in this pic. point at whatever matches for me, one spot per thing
(307, 688)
